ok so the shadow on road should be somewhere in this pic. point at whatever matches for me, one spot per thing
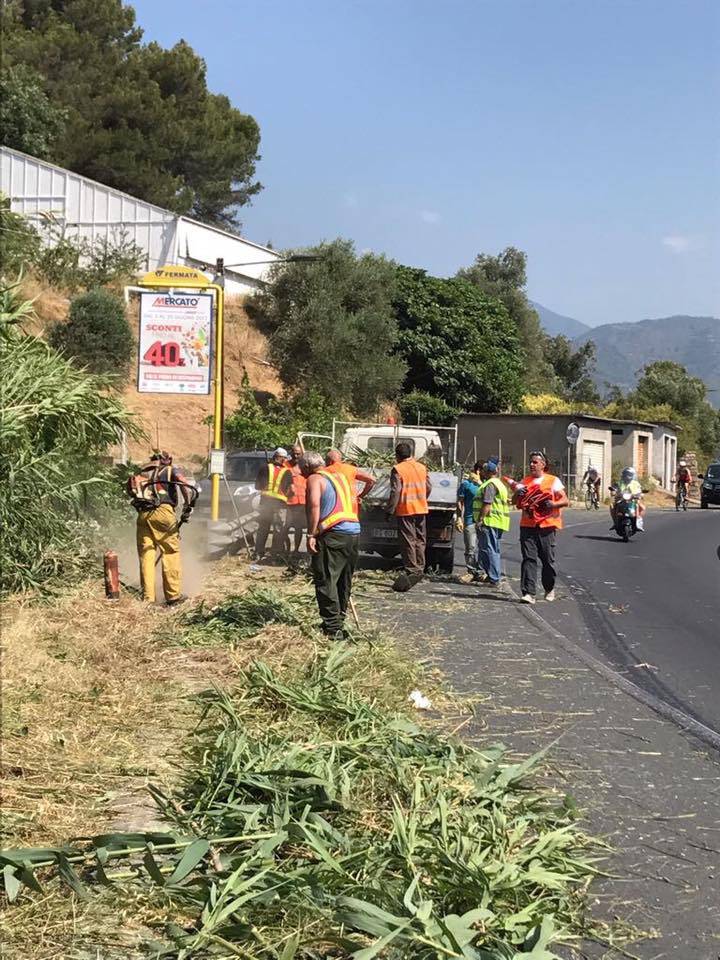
(588, 536)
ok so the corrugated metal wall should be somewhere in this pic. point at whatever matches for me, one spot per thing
(57, 199)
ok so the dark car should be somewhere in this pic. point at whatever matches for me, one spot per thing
(237, 488)
(710, 489)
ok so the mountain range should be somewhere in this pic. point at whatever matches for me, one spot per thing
(623, 349)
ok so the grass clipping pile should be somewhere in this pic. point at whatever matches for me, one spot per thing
(315, 819)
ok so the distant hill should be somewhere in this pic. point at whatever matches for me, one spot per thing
(624, 348)
(555, 323)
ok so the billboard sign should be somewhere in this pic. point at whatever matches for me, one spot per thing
(175, 342)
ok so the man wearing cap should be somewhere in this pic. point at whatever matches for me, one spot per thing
(491, 509)
(333, 532)
(465, 521)
(274, 482)
(540, 496)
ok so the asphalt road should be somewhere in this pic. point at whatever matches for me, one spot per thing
(650, 607)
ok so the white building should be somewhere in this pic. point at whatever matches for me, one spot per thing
(47, 194)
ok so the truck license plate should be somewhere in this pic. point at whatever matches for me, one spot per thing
(385, 534)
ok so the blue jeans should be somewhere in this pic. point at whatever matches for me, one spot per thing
(489, 551)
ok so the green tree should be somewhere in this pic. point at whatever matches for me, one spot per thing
(668, 382)
(423, 408)
(458, 343)
(28, 120)
(138, 117)
(255, 426)
(331, 326)
(97, 334)
(573, 368)
(505, 277)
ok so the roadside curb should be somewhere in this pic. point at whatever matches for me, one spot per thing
(687, 723)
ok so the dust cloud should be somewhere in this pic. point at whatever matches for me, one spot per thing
(193, 555)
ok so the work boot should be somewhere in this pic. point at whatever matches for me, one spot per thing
(467, 578)
(402, 584)
(527, 598)
(175, 601)
(415, 578)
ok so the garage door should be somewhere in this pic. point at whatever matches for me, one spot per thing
(593, 454)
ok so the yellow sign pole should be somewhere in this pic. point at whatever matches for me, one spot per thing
(219, 406)
(179, 276)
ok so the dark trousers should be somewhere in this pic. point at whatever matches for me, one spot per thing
(272, 511)
(537, 543)
(413, 541)
(332, 569)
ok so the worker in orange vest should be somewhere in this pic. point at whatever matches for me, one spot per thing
(333, 533)
(334, 463)
(540, 496)
(274, 482)
(296, 499)
(409, 491)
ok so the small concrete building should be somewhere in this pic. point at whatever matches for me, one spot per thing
(603, 443)
(75, 206)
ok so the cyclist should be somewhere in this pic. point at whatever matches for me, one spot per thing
(683, 478)
(592, 480)
(629, 483)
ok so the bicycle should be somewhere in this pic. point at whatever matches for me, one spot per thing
(592, 498)
(681, 497)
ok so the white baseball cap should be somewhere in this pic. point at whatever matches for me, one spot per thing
(280, 452)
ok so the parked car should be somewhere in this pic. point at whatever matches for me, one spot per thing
(710, 489)
(237, 488)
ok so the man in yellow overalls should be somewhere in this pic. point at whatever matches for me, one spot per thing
(154, 492)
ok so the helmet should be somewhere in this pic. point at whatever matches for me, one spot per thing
(628, 474)
(162, 457)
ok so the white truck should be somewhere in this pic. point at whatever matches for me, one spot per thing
(373, 444)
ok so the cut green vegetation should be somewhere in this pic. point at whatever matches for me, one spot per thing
(314, 818)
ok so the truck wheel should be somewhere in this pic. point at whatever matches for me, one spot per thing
(442, 560)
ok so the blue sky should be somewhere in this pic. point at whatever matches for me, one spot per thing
(583, 132)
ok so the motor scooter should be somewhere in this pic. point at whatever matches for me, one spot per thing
(625, 510)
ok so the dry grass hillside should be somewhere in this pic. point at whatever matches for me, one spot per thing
(174, 422)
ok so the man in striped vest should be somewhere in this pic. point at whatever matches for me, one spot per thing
(274, 482)
(333, 534)
(491, 509)
(409, 491)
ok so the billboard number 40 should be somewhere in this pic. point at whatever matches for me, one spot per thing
(164, 355)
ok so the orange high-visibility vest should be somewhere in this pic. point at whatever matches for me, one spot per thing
(554, 518)
(413, 493)
(275, 478)
(348, 470)
(296, 497)
(343, 510)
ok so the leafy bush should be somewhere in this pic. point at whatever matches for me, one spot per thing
(97, 334)
(276, 423)
(56, 423)
(20, 243)
(423, 408)
(76, 263)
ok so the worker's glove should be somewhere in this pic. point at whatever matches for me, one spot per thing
(459, 524)
(186, 513)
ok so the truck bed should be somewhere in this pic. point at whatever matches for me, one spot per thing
(443, 495)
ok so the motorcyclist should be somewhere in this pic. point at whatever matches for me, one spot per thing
(629, 483)
(591, 478)
(683, 477)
